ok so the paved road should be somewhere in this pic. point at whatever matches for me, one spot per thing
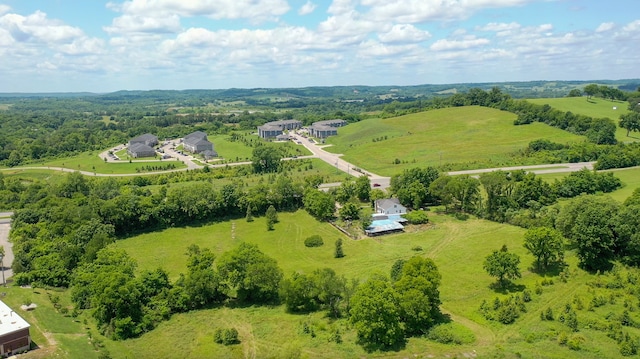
(5, 227)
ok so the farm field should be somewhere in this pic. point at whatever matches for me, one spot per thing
(481, 136)
(595, 107)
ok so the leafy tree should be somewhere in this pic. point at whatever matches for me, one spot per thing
(588, 222)
(319, 204)
(363, 188)
(418, 294)
(546, 244)
(266, 159)
(575, 93)
(376, 314)
(249, 215)
(503, 265)
(249, 274)
(499, 188)
(460, 193)
(591, 90)
(338, 252)
(349, 211)
(271, 217)
(630, 122)
(416, 217)
(201, 284)
(299, 293)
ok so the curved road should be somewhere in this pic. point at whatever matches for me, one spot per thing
(318, 152)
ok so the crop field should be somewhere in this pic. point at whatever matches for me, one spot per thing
(470, 134)
(595, 107)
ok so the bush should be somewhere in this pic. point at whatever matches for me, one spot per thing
(416, 217)
(575, 341)
(314, 241)
(226, 336)
(450, 333)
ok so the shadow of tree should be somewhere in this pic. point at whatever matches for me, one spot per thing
(507, 287)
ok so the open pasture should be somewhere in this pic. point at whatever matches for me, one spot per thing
(470, 134)
(594, 107)
(457, 246)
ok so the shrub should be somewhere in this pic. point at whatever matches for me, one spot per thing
(226, 336)
(416, 217)
(314, 241)
(450, 333)
(575, 341)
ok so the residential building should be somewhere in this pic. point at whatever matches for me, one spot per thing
(324, 129)
(197, 142)
(275, 128)
(389, 206)
(14, 332)
(138, 150)
(146, 139)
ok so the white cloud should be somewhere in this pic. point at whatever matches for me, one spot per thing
(4, 9)
(404, 33)
(143, 24)
(632, 26)
(464, 44)
(216, 9)
(419, 11)
(307, 8)
(38, 28)
(605, 26)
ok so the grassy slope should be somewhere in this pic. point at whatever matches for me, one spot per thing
(458, 247)
(451, 135)
(595, 107)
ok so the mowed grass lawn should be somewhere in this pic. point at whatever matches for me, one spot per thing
(457, 246)
(452, 135)
(595, 107)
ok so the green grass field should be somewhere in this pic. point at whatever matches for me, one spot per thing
(458, 248)
(595, 107)
(470, 134)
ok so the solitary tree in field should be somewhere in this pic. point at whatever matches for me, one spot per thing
(338, 253)
(591, 90)
(630, 122)
(272, 217)
(546, 244)
(503, 265)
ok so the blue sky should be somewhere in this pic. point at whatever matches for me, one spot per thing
(103, 46)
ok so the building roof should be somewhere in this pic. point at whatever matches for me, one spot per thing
(199, 135)
(209, 153)
(144, 138)
(332, 123)
(270, 127)
(387, 203)
(140, 147)
(283, 122)
(196, 142)
(10, 321)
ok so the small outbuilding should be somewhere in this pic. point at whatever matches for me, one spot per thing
(14, 332)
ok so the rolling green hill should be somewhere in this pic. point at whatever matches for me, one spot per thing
(595, 107)
(481, 136)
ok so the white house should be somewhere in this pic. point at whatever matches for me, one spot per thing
(389, 206)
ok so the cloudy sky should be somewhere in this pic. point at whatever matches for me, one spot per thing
(103, 46)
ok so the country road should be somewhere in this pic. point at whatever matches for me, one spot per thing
(333, 159)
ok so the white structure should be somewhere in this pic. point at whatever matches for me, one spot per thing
(14, 332)
(390, 206)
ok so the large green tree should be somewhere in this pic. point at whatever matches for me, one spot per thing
(546, 244)
(249, 274)
(418, 294)
(319, 204)
(503, 265)
(630, 122)
(588, 222)
(376, 314)
(266, 159)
